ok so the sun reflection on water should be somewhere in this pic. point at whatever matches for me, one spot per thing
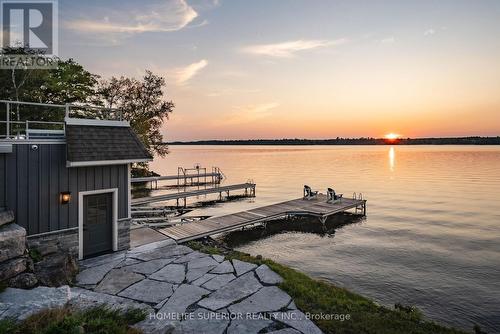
(392, 158)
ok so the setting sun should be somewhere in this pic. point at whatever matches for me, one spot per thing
(392, 136)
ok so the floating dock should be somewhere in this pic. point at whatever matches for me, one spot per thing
(248, 187)
(317, 207)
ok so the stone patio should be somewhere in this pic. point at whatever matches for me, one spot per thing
(183, 291)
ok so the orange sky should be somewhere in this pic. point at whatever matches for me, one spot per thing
(306, 69)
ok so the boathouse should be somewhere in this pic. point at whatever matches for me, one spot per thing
(65, 173)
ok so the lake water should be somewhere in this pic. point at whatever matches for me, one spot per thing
(431, 237)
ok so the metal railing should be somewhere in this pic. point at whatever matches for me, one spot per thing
(32, 120)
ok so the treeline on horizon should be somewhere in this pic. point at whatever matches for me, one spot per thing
(350, 141)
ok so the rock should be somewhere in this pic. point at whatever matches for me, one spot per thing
(12, 241)
(6, 217)
(184, 296)
(23, 281)
(235, 290)
(297, 320)
(267, 276)
(194, 274)
(205, 278)
(202, 262)
(56, 270)
(224, 268)
(242, 267)
(199, 266)
(218, 258)
(94, 275)
(161, 253)
(148, 291)
(267, 299)
(127, 262)
(285, 331)
(11, 268)
(200, 322)
(152, 325)
(189, 257)
(218, 281)
(148, 267)
(23, 303)
(173, 273)
(292, 306)
(114, 258)
(83, 299)
(152, 246)
(117, 280)
(247, 325)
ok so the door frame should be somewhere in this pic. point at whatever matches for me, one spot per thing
(114, 219)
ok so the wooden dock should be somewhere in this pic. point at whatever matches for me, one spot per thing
(317, 207)
(173, 177)
(248, 187)
(187, 175)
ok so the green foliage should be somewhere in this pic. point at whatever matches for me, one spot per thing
(7, 326)
(68, 83)
(35, 255)
(3, 286)
(143, 105)
(320, 297)
(66, 321)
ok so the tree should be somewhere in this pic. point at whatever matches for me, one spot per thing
(142, 104)
(142, 101)
(69, 82)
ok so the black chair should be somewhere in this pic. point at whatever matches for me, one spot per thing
(331, 196)
(309, 193)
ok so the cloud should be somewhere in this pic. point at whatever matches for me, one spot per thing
(184, 74)
(231, 91)
(288, 49)
(250, 113)
(429, 32)
(165, 16)
(388, 40)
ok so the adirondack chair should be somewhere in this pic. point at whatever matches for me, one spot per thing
(331, 196)
(308, 193)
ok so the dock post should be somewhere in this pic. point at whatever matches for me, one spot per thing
(364, 208)
(322, 220)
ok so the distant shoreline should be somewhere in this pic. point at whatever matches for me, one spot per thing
(349, 141)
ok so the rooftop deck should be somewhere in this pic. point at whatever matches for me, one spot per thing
(45, 121)
(317, 207)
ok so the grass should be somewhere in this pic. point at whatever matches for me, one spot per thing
(35, 255)
(320, 297)
(97, 320)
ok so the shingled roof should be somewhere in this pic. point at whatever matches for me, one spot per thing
(88, 145)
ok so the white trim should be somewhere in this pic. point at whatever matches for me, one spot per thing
(129, 191)
(95, 122)
(104, 162)
(114, 191)
(5, 148)
(51, 232)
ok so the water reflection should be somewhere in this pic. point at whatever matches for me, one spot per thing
(392, 158)
(296, 224)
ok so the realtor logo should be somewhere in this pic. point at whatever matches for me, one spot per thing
(30, 24)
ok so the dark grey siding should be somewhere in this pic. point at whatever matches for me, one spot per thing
(33, 180)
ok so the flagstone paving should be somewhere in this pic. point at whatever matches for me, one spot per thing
(183, 291)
